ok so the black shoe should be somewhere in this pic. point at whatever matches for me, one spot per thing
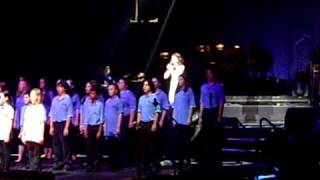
(155, 167)
(89, 169)
(57, 166)
(35, 169)
(67, 167)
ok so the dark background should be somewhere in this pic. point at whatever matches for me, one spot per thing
(76, 39)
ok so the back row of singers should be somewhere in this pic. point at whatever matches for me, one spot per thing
(113, 119)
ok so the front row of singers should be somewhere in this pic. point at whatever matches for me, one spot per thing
(112, 124)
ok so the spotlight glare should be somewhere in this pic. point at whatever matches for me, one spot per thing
(220, 47)
(201, 48)
(236, 46)
(164, 55)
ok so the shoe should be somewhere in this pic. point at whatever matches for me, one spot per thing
(35, 169)
(18, 161)
(27, 167)
(67, 167)
(43, 156)
(57, 166)
(89, 169)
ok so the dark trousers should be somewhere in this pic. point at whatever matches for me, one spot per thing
(114, 151)
(4, 156)
(76, 140)
(166, 140)
(182, 141)
(61, 145)
(93, 146)
(210, 136)
(128, 139)
(47, 137)
(33, 153)
(147, 144)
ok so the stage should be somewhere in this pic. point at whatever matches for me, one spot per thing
(227, 170)
(79, 172)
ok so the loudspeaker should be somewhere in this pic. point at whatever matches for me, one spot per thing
(300, 120)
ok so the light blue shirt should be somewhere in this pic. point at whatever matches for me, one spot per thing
(184, 100)
(113, 108)
(61, 108)
(84, 102)
(22, 115)
(212, 95)
(47, 100)
(19, 104)
(76, 107)
(148, 106)
(129, 102)
(163, 99)
(93, 113)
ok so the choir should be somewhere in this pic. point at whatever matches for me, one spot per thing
(130, 132)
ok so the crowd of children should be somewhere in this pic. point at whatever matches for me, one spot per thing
(130, 132)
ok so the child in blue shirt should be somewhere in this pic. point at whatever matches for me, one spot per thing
(93, 122)
(60, 115)
(112, 127)
(147, 124)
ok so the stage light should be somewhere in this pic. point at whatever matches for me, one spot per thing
(220, 47)
(164, 55)
(201, 48)
(141, 75)
(236, 46)
(155, 20)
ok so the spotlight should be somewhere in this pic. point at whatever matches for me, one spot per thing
(220, 47)
(155, 20)
(164, 55)
(236, 46)
(201, 48)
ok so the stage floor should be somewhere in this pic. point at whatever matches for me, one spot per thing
(79, 171)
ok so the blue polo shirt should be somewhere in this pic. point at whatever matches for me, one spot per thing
(113, 108)
(212, 95)
(22, 115)
(94, 113)
(183, 101)
(163, 99)
(129, 102)
(148, 106)
(85, 101)
(47, 100)
(75, 98)
(61, 108)
(19, 104)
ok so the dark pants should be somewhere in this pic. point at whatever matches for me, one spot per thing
(47, 137)
(114, 151)
(76, 140)
(33, 153)
(210, 136)
(166, 140)
(127, 137)
(182, 141)
(4, 156)
(93, 146)
(147, 144)
(61, 145)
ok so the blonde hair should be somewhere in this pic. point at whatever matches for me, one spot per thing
(179, 57)
(38, 94)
